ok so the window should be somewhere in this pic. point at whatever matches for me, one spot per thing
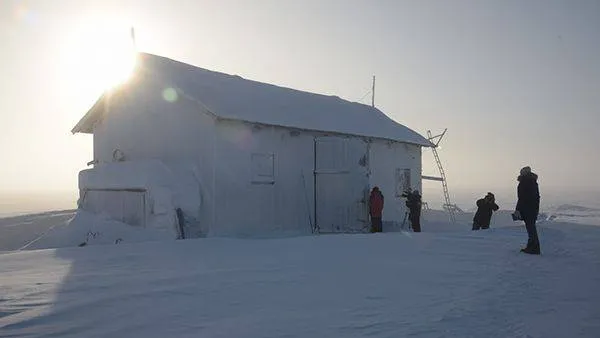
(402, 181)
(263, 168)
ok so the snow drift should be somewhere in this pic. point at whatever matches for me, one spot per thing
(91, 229)
(145, 193)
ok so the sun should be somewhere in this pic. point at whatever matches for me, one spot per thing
(110, 66)
(99, 55)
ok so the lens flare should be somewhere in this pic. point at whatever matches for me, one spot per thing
(170, 94)
(99, 54)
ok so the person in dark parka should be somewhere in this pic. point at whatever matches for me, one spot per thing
(528, 207)
(376, 209)
(413, 202)
(485, 207)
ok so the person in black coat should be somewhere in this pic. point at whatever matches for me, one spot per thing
(528, 207)
(413, 202)
(485, 207)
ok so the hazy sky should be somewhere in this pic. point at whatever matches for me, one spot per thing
(515, 82)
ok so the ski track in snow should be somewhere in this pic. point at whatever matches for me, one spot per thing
(20, 231)
(444, 284)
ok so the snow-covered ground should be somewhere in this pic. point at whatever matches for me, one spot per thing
(445, 282)
(576, 214)
(21, 231)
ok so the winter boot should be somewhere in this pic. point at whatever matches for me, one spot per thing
(531, 251)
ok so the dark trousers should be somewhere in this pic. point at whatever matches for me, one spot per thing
(376, 225)
(416, 223)
(533, 242)
(477, 226)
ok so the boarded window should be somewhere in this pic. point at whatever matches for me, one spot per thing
(127, 206)
(402, 181)
(263, 168)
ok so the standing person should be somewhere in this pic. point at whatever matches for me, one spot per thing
(413, 202)
(485, 207)
(376, 209)
(528, 207)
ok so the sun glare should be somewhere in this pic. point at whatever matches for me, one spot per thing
(111, 67)
(99, 55)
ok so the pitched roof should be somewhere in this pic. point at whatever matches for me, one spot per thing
(235, 98)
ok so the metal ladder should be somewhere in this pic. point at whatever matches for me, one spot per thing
(451, 208)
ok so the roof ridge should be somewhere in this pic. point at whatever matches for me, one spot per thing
(233, 97)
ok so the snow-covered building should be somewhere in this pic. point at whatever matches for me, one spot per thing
(239, 157)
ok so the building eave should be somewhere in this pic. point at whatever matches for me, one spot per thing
(86, 123)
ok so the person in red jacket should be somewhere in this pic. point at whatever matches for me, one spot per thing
(376, 209)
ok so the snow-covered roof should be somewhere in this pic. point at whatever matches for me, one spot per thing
(235, 98)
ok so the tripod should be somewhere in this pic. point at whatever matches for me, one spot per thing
(404, 220)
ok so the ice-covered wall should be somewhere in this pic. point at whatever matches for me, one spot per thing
(153, 121)
(264, 182)
(385, 159)
(150, 120)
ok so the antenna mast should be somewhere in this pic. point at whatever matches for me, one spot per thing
(373, 93)
(133, 39)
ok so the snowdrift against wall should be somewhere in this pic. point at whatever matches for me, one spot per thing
(92, 229)
(142, 193)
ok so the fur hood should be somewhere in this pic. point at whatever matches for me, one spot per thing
(528, 177)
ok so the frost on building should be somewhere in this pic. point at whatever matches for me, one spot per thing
(239, 157)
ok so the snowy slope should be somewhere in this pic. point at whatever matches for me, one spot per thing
(64, 229)
(575, 213)
(20, 231)
(446, 283)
